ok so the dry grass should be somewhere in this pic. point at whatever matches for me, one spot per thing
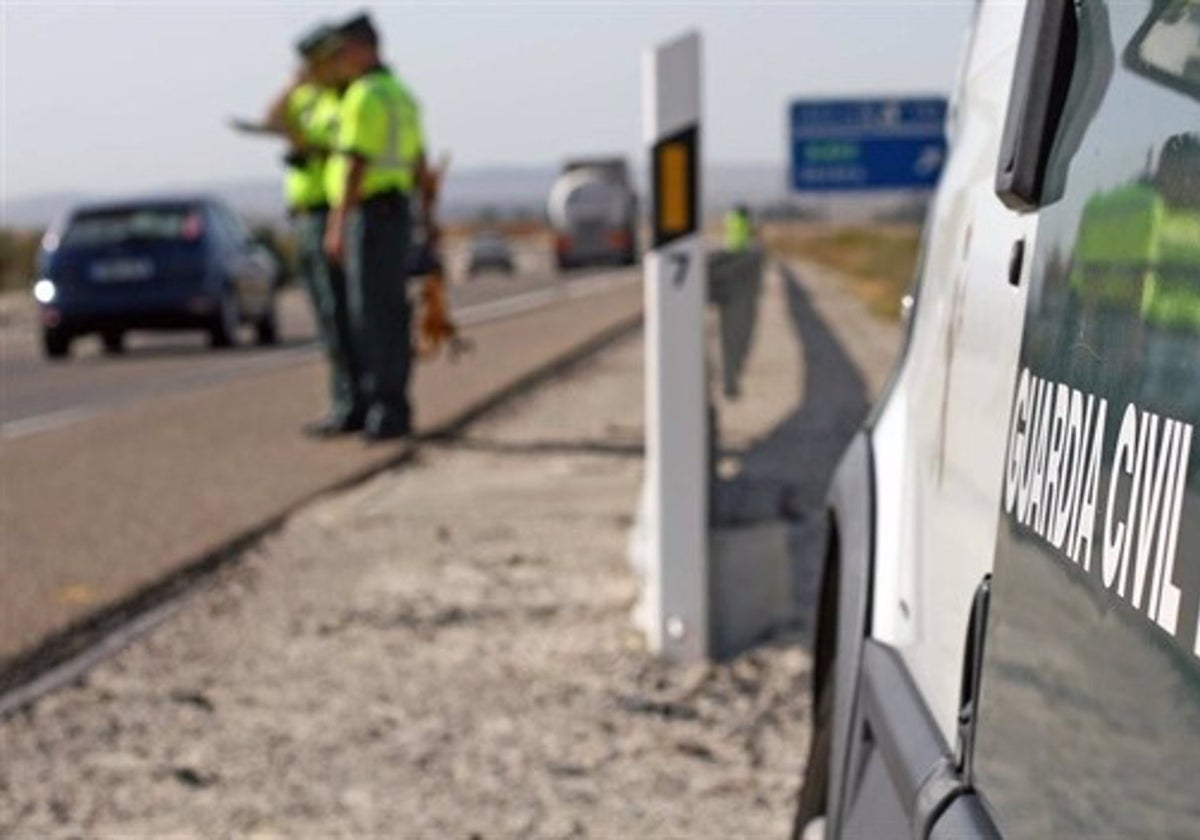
(878, 260)
(19, 248)
(520, 228)
(18, 252)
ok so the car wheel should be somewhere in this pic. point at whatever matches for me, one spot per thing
(114, 342)
(223, 332)
(266, 328)
(56, 343)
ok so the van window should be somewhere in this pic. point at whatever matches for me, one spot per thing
(1168, 46)
(1090, 707)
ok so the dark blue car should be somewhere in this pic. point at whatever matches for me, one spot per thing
(181, 262)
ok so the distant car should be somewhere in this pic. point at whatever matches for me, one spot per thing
(184, 262)
(490, 251)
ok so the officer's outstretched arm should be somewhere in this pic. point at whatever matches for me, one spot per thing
(277, 116)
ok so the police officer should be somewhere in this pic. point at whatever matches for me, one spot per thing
(739, 230)
(307, 112)
(735, 284)
(373, 176)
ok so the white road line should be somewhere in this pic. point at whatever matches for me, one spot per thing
(45, 422)
(515, 305)
(495, 309)
(468, 315)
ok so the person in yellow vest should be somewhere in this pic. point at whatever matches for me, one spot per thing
(739, 230)
(307, 112)
(377, 170)
(735, 283)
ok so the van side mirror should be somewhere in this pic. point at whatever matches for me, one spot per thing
(1041, 80)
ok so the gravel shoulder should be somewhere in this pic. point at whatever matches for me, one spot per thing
(445, 650)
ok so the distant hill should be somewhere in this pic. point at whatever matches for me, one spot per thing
(39, 210)
(469, 192)
(255, 199)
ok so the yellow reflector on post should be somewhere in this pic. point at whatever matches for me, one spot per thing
(674, 200)
(675, 185)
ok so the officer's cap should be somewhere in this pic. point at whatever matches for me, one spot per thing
(319, 41)
(359, 28)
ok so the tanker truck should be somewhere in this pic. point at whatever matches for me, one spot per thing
(593, 210)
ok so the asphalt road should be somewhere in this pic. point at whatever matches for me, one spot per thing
(36, 395)
(117, 471)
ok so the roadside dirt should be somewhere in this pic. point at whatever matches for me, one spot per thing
(443, 651)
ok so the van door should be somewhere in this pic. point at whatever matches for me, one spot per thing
(1089, 709)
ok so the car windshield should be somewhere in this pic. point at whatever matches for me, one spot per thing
(92, 228)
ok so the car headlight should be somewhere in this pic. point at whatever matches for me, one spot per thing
(44, 291)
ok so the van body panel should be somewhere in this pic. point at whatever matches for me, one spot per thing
(1034, 473)
(935, 440)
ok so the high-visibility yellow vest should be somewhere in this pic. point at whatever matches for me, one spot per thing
(739, 235)
(312, 113)
(1134, 251)
(379, 121)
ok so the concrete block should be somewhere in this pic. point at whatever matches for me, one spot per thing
(807, 537)
(750, 584)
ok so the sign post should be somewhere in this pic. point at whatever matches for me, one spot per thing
(867, 144)
(676, 608)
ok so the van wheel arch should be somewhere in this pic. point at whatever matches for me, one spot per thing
(814, 788)
(841, 628)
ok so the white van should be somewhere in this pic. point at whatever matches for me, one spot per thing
(1008, 639)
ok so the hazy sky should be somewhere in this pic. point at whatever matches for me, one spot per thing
(121, 96)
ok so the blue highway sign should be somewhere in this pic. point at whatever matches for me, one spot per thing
(867, 144)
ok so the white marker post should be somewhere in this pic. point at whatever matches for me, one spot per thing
(676, 492)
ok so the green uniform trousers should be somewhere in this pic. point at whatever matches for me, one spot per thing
(376, 259)
(326, 285)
